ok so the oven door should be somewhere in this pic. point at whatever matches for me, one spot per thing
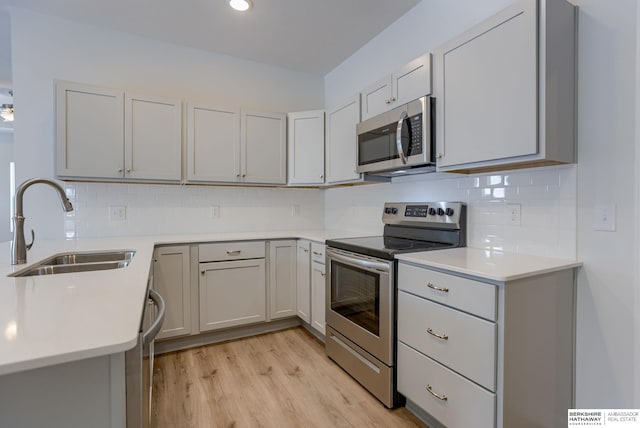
(360, 301)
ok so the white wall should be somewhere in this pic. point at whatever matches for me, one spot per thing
(552, 199)
(606, 174)
(46, 48)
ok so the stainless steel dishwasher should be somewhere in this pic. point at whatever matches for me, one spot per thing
(139, 363)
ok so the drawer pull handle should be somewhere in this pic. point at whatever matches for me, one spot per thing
(438, 335)
(233, 252)
(435, 287)
(438, 396)
(317, 253)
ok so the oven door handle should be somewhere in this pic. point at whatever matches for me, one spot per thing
(361, 263)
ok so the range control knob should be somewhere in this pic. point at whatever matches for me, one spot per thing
(440, 211)
(387, 210)
(432, 211)
(394, 211)
(449, 212)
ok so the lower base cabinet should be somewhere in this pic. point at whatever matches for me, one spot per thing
(171, 278)
(84, 393)
(485, 353)
(318, 288)
(232, 293)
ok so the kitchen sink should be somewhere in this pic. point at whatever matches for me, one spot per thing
(79, 262)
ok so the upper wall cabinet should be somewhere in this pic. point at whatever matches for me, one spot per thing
(341, 138)
(306, 147)
(234, 146)
(505, 90)
(213, 143)
(264, 147)
(106, 133)
(408, 83)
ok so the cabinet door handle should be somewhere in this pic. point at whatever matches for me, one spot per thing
(387, 101)
(128, 169)
(305, 250)
(392, 99)
(440, 156)
(438, 335)
(202, 272)
(233, 252)
(435, 287)
(322, 273)
(438, 396)
(119, 169)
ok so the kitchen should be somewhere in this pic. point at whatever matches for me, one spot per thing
(558, 204)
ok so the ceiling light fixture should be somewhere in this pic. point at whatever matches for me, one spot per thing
(6, 112)
(240, 5)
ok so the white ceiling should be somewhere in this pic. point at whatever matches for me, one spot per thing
(312, 36)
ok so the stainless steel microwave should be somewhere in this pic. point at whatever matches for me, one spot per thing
(397, 140)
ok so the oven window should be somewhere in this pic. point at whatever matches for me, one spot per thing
(355, 294)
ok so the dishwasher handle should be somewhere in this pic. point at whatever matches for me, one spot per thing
(149, 335)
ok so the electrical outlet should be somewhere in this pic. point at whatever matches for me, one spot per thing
(513, 214)
(295, 210)
(117, 213)
(215, 211)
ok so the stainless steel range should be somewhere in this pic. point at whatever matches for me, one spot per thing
(361, 288)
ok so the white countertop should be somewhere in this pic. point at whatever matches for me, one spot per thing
(493, 265)
(52, 319)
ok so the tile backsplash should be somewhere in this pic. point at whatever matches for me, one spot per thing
(545, 197)
(174, 209)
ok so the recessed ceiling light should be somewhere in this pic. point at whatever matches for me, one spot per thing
(240, 5)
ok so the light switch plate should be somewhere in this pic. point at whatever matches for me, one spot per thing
(215, 211)
(604, 217)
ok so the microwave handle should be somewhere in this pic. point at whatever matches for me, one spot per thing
(403, 116)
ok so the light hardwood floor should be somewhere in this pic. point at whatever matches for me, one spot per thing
(282, 379)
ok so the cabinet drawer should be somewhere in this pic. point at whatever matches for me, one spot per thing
(467, 344)
(461, 404)
(231, 251)
(317, 252)
(471, 296)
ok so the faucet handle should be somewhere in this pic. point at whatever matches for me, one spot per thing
(33, 238)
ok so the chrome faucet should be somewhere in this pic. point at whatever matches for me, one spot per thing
(19, 246)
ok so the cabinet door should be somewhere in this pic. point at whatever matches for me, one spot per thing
(153, 138)
(376, 98)
(264, 147)
(486, 90)
(412, 81)
(305, 139)
(303, 282)
(232, 293)
(89, 131)
(213, 143)
(318, 303)
(341, 142)
(171, 279)
(282, 279)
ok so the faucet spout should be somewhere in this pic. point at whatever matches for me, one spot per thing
(19, 246)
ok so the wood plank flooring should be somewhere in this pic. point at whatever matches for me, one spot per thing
(282, 379)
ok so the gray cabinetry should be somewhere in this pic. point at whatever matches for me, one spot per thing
(485, 353)
(505, 90)
(232, 284)
(172, 279)
(282, 279)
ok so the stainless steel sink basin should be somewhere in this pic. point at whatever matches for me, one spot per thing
(79, 262)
